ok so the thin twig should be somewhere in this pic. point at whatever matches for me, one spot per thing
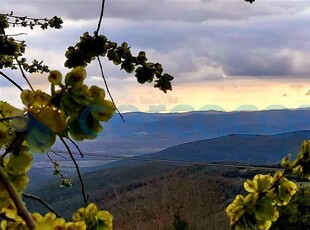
(100, 18)
(42, 202)
(101, 69)
(57, 154)
(21, 208)
(49, 157)
(12, 81)
(23, 73)
(18, 34)
(76, 146)
(106, 85)
(56, 169)
(29, 18)
(77, 169)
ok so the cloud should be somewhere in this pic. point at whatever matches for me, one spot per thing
(70, 9)
(39, 81)
(160, 10)
(204, 42)
(258, 64)
(194, 36)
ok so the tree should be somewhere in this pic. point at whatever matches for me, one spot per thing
(72, 111)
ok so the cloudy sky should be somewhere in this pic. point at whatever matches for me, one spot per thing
(224, 54)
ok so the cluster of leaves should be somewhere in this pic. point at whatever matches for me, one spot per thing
(73, 109)
(89, 47)
(11, 49)
(89, 218)
(301, 165)
(250, 1)
(266, 193)
(258, 209)
(17, 164)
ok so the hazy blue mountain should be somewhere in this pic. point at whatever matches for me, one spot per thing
(151, 132)
(207, 124)
(243, 148)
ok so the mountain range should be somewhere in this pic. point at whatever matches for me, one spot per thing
(151, 132)
(241, 148)
(136, 191)
(247, 137)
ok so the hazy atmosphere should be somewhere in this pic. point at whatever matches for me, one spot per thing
(224, 55)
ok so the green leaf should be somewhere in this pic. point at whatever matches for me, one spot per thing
(262, 182)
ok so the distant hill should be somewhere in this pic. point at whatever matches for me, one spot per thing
(243, 148)
(206, 124)
(151, 132)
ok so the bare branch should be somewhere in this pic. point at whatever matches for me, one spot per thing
(76, 146)
(12, 81)
(18, 34)
(57, 154)
(106, 85)
(42, 202)
(21, 208)
(23, 73)
(100, 18)
(77, 170)
(30, 18)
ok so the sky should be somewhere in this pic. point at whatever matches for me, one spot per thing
(224, 54)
